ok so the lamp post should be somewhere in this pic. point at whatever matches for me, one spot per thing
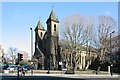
(111, 69)
(31, 49)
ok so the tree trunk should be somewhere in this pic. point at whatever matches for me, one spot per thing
(98, 69)
(87, 65)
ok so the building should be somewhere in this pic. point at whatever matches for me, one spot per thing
(1, 52)
(81, 58)
(46, 44)
(49, 52)
(114, 53)
(115, 44)
(1, 55)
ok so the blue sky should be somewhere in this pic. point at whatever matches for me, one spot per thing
(18, 17)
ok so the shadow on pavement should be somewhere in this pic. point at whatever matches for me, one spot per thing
(38, 78)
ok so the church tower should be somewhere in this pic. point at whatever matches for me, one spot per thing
(52, 40)
(39, 44)
(39, 30)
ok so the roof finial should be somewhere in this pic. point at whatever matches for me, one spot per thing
(52, 8)
(57, 17)
(39, 17)
(39, 21)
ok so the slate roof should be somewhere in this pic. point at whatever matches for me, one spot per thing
(52, 16)
(39, 26)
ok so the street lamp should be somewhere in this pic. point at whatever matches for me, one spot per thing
(31, 49)
(111, 69)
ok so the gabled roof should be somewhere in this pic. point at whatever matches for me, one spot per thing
(39, 26)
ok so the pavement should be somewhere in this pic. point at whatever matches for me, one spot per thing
(61, 76)
(71, 75)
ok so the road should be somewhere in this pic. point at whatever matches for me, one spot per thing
(62, 77)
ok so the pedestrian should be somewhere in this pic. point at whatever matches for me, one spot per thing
(20, 71)
(23, 72)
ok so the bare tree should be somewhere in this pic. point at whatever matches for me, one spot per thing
(7, 57)
(79, 31)
(88, 26)
(3, 59)
(13, 54)
(105, 26)
(73, 33)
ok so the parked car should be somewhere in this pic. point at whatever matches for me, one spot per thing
(5, 66)
(26, 67)
(12, 67)
(1, 70)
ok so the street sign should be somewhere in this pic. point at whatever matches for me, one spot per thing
(60, 63)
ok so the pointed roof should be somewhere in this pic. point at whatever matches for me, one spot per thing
(52, 16)
(39, 26)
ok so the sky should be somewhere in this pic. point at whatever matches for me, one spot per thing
(19, 17)
(59, 0)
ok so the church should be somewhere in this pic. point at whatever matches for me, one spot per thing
(47, 49)
(52, 53)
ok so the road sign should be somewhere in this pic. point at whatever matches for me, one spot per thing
(60, 63)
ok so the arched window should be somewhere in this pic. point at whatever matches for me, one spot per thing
(54, 27)
(41, 34)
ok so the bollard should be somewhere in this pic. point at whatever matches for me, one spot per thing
(108, 69)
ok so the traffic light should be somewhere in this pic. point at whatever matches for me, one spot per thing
(20, 57)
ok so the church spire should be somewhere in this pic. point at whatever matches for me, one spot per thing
(52, 16)
(39, 26)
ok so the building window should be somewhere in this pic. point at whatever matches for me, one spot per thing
(41, 34)
(54, 27)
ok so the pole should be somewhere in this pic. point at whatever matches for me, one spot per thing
(110, 56)
(31, 50)
(111, 66)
